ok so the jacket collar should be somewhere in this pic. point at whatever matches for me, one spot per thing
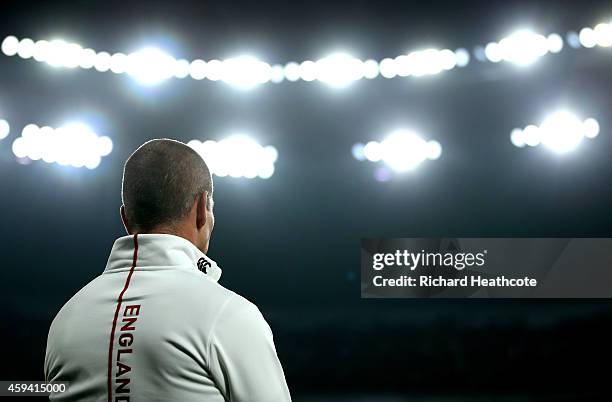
(160, 251)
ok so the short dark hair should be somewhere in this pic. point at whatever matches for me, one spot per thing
(161, 181)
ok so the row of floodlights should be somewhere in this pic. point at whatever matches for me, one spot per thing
(77, 145)
(237, 156)
(152, 65)
(73, 144)
(403, 150)
(561, 132)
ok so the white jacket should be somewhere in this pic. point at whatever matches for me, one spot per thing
(156, 326)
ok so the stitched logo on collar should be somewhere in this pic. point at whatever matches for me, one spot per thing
(203, 264)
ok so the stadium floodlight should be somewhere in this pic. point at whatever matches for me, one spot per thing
(237, 156)
(561, 132)
(277, 74)
(182, 68)
(339, 70)
(420, 63)
(370, 69)
(603, 34)
(425, 62)
(401, 151)
(292, 71)
(197, 69)
(600, 35)
(388, 68)
(41, 50)
(522, 48)
(462, 57)
(150, 66)
(59, 53)
(102, 62)
(25, 48)
(373, 151)
(10, 45)
(214, 70)
(5, 129)
(308, 70)
(246, 72)
(555, 43)
(74, 144)
(357, 151)
(87, 59)
(590, 128)
(119, 63)
(587, 38)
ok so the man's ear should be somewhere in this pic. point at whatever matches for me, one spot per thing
(201, 209)
(124, 220)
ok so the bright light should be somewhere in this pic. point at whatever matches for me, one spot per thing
(493, 52)
(370, 69)
(401, 151)
(587, 38)
(150, 66)
(388, 68)
(517, 138)
(532, 135)
(246, 72)
(308, 70)
(590, 128)
(292, 71)
(561, 132)
(5, 128)
(339, 70)
(277, 74)
(237, 156)
(555, 43)
(523, 47)
(10, 45)
(373, 151)
(181, 68)
(119, 63)
(434, 150)
(197, 69)
(420, 63)
(25, 49)
(41, 50)
(59, 53)
(73, 144)
(102, 62)
(603, 35)
(425, 62)
(88, 58)
(214, 70)
(357, 151)
(462, 56)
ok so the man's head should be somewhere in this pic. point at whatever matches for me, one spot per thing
(167, 188)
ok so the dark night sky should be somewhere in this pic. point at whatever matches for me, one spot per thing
(291, 243)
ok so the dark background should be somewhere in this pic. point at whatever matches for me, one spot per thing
(291, 243)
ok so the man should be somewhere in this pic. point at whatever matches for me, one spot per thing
(156, 325)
